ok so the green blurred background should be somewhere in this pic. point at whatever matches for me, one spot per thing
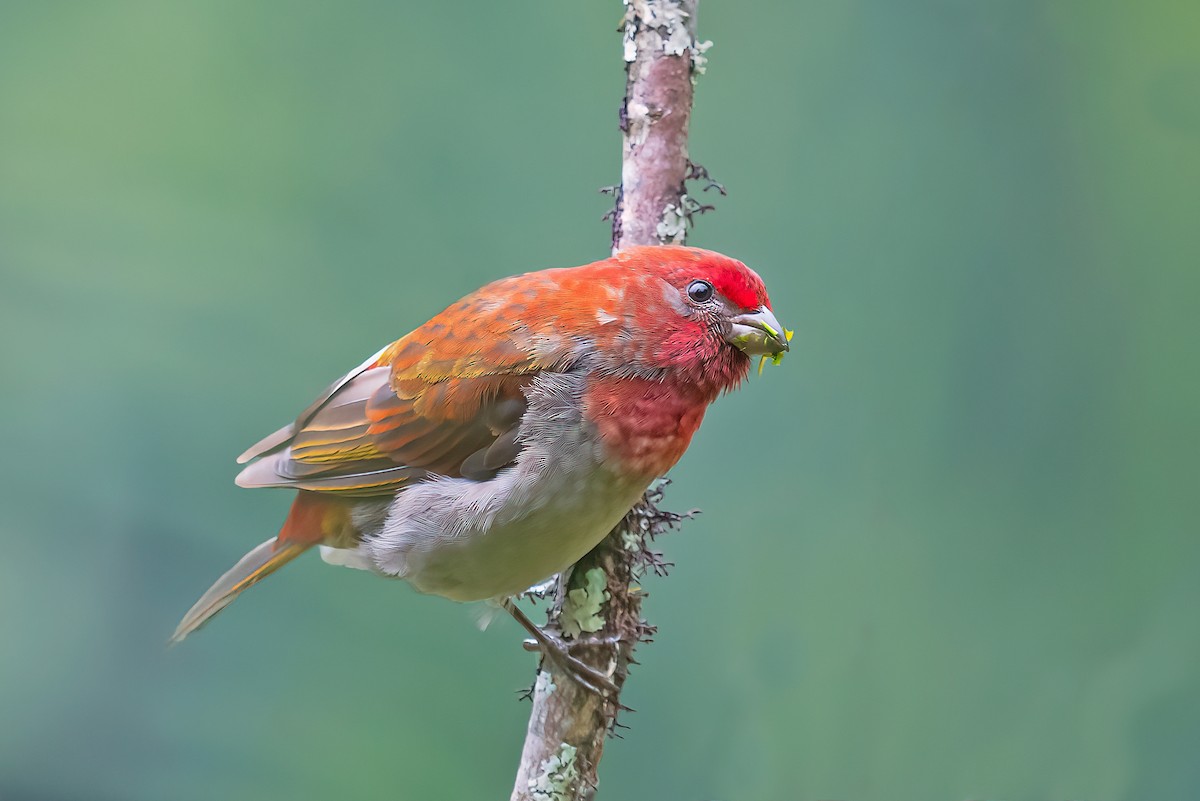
(949, 548)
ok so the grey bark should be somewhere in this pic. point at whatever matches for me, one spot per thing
(568, 724)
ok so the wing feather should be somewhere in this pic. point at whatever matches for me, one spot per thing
(280, 438)
(447, 399)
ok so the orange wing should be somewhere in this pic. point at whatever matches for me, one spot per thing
(446, 399)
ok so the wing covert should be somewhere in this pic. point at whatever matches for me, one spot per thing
(429, 404)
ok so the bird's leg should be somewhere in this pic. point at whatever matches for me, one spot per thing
(555, 649)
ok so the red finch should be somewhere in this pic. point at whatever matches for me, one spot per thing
(499, 442)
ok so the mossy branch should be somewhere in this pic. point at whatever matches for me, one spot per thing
(600, 610)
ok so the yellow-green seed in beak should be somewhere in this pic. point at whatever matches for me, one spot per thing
(775, 358)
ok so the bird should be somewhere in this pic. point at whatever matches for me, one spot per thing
(495, 445)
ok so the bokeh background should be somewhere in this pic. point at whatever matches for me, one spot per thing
(949, 548)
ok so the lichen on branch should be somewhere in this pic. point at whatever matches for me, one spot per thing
(662, 58)
(600, 611)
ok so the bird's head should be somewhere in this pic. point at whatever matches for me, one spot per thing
(701, 310)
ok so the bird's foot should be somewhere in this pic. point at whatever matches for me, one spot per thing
(558, 651)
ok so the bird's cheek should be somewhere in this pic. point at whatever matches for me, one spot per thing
(689, 343)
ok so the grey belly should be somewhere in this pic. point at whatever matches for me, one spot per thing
(456, 539)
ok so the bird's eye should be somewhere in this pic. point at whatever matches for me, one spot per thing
(700, 291)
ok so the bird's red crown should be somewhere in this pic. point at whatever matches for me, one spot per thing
(733, 279)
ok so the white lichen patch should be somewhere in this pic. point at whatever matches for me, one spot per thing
(677, 40)
(629, 41)
(672, 228)
(631, 540)
(581, 611)
(544, 589)
(558, 773)
(639, 122)
(668, 19)
(699, 60)
(544, 684)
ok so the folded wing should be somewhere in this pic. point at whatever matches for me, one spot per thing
(430, 404)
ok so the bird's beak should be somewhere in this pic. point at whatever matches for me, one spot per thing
(758, 334)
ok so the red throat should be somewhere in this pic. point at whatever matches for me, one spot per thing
(646, 424)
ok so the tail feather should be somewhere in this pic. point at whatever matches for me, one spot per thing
(254, 566)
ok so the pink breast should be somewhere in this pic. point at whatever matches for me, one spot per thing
(645, 425)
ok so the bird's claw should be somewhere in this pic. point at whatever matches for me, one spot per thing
(531, 645)
(588, 677)
(559, 652)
